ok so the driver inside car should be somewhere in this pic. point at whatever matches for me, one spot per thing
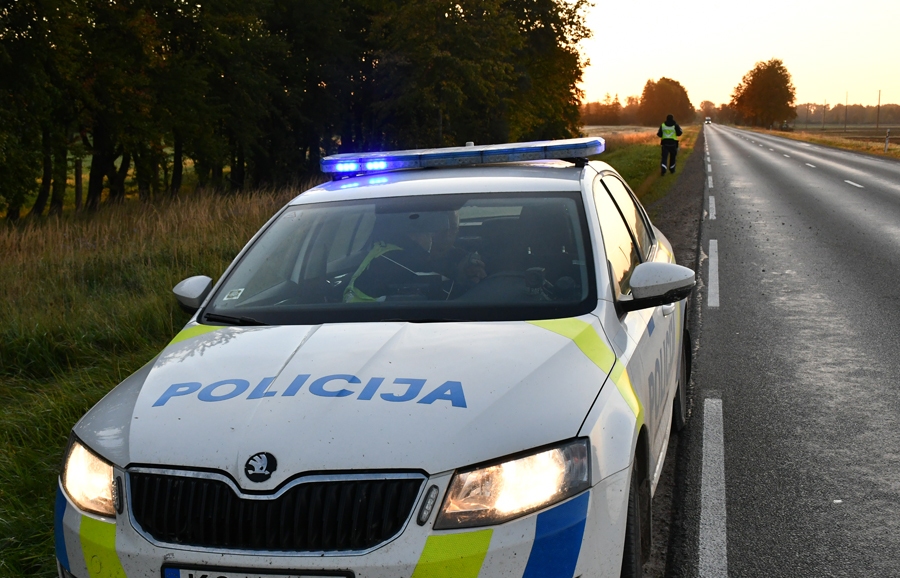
(399, 264)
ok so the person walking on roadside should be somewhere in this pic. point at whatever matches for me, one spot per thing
(669, 132)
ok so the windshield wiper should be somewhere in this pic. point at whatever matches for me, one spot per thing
(233, 320)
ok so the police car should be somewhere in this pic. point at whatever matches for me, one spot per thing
(458, 362)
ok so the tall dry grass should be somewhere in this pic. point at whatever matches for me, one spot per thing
(86, 301)
(81, 284)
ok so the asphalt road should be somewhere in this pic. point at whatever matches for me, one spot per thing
(791, 464)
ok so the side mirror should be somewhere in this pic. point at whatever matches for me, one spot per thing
(654, 284)
(192, 291)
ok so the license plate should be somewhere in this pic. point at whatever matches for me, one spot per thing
(170, 572)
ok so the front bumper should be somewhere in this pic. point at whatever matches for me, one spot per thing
(580, 537)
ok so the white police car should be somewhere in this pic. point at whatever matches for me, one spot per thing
(450, 362)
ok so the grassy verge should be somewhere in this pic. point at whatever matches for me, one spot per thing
(874, 146)
(636, 158)
(87, 302)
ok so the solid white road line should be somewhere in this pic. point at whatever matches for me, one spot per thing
(712, 208)
(809, 165)
(710, 181)
(713, 292)
(855, 184)
(713, 541)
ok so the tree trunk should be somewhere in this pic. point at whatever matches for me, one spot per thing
(60, 175)
(44, 192)
(177, 165)
(216, 179)
(117, 179)
(79, 186)
(143, 172)
(102, 158)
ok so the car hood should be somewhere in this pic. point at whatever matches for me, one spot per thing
(377, 396)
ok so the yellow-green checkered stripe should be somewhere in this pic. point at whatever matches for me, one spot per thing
(98, 544)
(453, 555)
(595, 348)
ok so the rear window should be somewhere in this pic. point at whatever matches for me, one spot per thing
(465, 257)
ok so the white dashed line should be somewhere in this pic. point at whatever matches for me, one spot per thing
(857, 185)
(713, 542)
(713, 291)
(773, 150)
(708, 168)
(710, 181)
(787, 156)
(712, 208)
(760, 146)
(809, 165)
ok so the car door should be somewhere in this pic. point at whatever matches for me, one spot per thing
(629, 241)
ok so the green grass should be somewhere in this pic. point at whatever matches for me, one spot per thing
(637, 160)
(87, 302)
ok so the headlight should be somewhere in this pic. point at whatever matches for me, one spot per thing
(88, 480)
(495, 494)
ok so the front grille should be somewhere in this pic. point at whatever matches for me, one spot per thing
(318, 516)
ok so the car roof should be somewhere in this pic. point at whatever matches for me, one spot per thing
(529, 176)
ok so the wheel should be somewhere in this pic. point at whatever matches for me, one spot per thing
(633, 555)
(679, 404)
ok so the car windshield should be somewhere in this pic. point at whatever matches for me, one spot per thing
(472, 257)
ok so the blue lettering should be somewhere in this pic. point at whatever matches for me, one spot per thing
(177, 389)
(207, 393)
(415, 387)
(318, 386)
(451, 391)
(295, 385)
(261, 389)
(369, 390)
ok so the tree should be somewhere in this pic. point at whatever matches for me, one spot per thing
(708, 108)
(663, 98)
(765, 95)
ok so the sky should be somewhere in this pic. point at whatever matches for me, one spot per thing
(833, 50)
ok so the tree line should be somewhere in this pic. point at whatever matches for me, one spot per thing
(658, 99)
(251, 93)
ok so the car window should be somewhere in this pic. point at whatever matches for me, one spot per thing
(508, 256)
(633, 215)
(621, 252)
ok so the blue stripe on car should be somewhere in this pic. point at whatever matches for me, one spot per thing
(59, 537)
(557, 540)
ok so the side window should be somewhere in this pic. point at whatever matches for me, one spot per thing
(633, 215)
(621, 253)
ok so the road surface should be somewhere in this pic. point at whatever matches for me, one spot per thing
(791, 465)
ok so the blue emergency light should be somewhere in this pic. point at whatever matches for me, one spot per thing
(349, 164)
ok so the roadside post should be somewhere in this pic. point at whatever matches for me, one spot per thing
(887, 140)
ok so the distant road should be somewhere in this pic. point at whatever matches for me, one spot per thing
(793, 465)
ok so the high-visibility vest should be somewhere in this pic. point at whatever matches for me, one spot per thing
(669, 132)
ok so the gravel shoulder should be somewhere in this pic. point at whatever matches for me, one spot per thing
(678, 215)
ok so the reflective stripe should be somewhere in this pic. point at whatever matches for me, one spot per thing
(351, 293)
(596, 349)
(98, 542)
(669, 132)
(59, 537)
(193, 331)
(453, 555)
(557, 540)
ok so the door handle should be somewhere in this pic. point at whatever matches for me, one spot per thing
(668, 309)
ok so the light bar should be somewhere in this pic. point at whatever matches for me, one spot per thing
(349, 164)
